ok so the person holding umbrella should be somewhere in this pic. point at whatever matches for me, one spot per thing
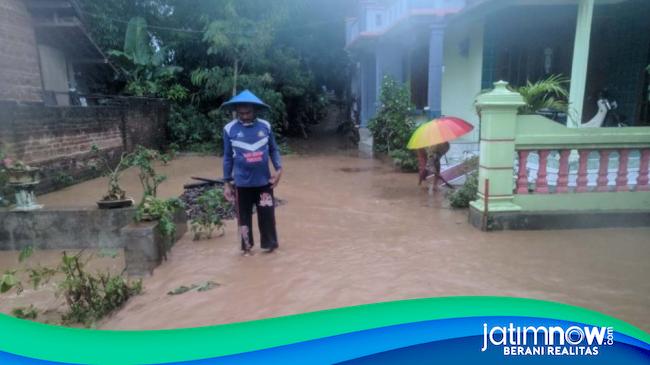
(248, 147)
(435, 136)
(429, 163)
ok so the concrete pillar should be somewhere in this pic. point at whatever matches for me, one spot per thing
(368, 89)
(497, 149)
(436, 69)
(580, 62)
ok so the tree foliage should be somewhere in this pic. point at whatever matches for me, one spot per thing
(393, 125)
(198, 53)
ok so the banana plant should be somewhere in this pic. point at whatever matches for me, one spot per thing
(145, 64)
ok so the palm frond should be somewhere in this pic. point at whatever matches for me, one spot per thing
(549, 93)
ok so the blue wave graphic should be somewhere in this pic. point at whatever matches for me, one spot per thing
(445, 341)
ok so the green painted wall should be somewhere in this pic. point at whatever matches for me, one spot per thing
(461, 83)
(615, 201)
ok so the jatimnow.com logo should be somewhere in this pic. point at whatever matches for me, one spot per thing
(547, 340)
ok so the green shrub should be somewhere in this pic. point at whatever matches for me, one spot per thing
(89, 297)
(405, 160)
(285, 149)
(189, 128)
(155, 209)
(62, 179)
(25, 312)
(212, 207)
(210, 148)
(393, 125)
(460, 198)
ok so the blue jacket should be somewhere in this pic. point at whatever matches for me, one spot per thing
(247, 150)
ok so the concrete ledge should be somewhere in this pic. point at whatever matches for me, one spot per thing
(63, 228)
(498, 221)
(79, 228)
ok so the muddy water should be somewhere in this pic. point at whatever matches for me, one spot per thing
(354, 232)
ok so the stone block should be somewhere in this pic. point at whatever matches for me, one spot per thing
(144, 247)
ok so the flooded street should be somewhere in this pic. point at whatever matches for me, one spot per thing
(354, 231)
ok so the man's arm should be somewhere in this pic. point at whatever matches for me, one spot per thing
(227, 167)
(274, 153)
(227, 157)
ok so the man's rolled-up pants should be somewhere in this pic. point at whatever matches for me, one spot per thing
(263, 200)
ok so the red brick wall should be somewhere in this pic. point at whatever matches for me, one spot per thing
(46, 133)
(59, 139)
(20, 77)
(152, 133)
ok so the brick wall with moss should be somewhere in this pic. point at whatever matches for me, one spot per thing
(59, 139)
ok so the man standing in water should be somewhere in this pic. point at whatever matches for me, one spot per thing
(248, 145)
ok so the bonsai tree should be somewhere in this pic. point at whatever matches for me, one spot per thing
(144, 159)
(115, 192)
(151, 208)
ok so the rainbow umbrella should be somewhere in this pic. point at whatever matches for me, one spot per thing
(438, 131)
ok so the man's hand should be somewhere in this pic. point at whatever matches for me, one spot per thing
(229, 192)
(275, 179)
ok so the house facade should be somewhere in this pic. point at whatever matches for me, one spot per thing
(46, 53)
(449, 51)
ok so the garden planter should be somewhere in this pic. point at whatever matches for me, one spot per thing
(22, 176)
(145, 247)
(115, 204)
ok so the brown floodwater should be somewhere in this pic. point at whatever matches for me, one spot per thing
(354, 231)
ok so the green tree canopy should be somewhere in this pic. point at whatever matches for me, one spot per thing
(197, 53)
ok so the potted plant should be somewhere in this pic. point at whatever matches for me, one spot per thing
(115, 196)
(152, 208)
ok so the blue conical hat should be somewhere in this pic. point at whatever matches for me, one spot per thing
(245, 97)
